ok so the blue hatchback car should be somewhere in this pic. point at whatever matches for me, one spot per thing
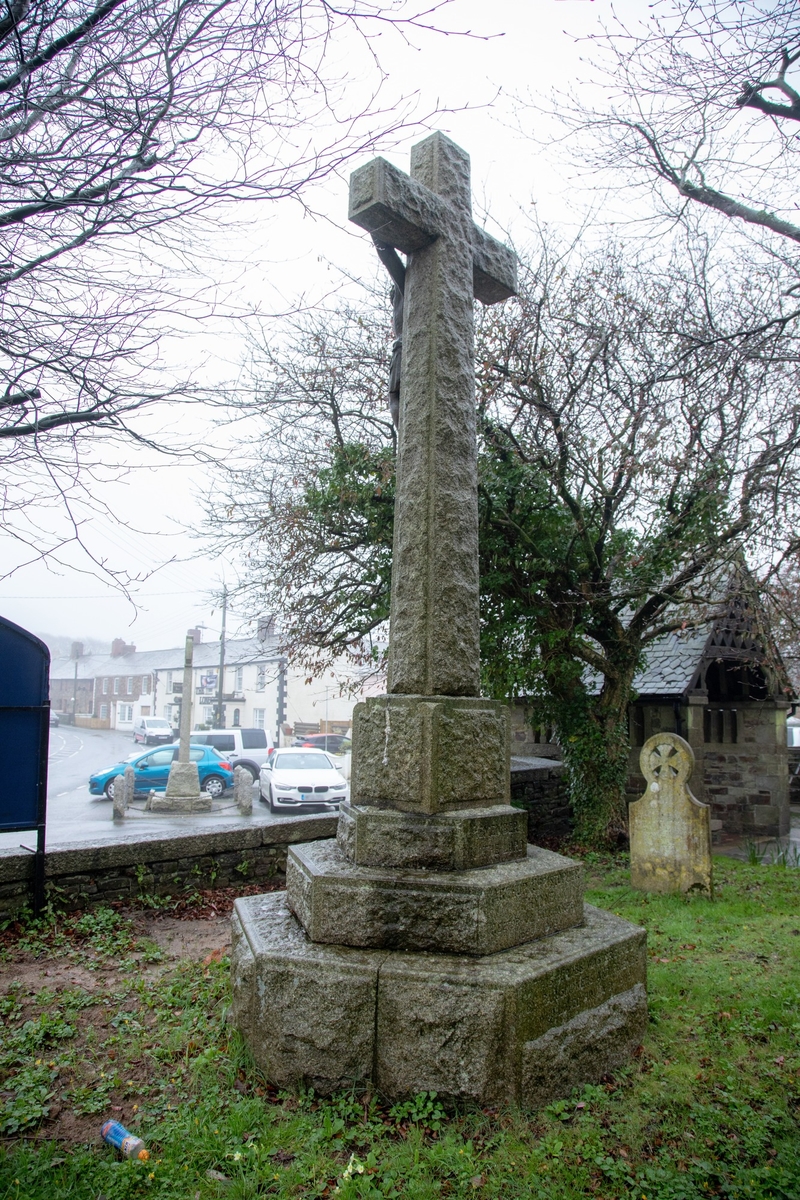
(151, 770)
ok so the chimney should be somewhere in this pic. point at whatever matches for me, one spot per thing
(266, 628)
(119, 647)
(76, 650)
(196, 635)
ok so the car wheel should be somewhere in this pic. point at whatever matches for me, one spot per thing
(109, 790)
(273, 808)
(215, 786)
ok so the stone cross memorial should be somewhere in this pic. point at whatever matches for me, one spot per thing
(183, 793)
(429, 947)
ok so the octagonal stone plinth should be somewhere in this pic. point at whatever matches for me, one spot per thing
(522, 1026)
(450, 841)
(458, 912)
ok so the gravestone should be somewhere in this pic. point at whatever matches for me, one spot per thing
(670, 830)
(428, 947)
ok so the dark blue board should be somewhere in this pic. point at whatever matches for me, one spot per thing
(24, 726)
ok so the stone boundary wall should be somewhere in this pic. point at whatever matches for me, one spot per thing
(83, 874)
(539, 786)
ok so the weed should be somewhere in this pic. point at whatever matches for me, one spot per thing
(785, 854)
(756, 852)
(424, 1110)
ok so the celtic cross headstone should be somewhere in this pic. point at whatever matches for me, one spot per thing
(670, 830)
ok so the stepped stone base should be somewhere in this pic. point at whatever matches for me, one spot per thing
(161, 802)
(480, 911)
(450, 841)
(519, 1027)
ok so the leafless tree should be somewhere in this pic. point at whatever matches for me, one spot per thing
(129, 130)
(309, 513)
(639, 432)
(701, 107)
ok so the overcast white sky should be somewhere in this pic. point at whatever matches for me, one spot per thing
(288, 253)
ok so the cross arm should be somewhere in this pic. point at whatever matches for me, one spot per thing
(394, 208)
(494, 268)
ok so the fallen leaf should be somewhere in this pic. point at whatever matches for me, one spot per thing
(214, 956)
(217, 1176)
(283, 1156)
(780, 1060)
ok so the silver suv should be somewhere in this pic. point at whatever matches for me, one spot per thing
(248, 748)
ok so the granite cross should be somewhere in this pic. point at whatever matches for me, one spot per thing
(434, 644)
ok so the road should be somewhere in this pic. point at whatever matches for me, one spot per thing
(75, 816)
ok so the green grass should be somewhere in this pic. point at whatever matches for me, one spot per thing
(710, 1107)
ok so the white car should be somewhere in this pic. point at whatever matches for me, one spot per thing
(301, 778)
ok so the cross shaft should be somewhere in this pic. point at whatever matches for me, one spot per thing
(434, 642)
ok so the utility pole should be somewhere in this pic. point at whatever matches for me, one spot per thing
(76, 654)
(220, 711)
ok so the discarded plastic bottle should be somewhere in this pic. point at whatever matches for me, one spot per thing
(127, 1143)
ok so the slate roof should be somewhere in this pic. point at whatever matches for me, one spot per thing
(671, 661)
(143, 662)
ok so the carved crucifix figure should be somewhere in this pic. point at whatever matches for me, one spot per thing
(397, 272)
(434, 645)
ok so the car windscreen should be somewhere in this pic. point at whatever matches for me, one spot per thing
(156, 724)
(297, 761)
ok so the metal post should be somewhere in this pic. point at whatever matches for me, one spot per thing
(41, 814)
(281, 699)
(220, 681)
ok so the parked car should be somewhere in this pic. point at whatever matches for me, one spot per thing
(54, 718)
(296, 778)
(152, 731)
(330, 742)
(151, 770)
(248, 748)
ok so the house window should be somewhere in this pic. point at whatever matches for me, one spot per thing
(239, 679)
(125, 712)
(116, 685)
(105, 687)
(261, 678)
(147, 683)
(104, 711)
(169, 681)
(130, 685)
(145, 710)
(258, 717)
(237, 718)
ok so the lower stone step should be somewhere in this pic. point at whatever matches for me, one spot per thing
(479, 911)
(522, 1026)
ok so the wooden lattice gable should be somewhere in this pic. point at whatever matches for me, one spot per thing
(740, 636)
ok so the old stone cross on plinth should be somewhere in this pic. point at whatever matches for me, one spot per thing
(429, 948)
